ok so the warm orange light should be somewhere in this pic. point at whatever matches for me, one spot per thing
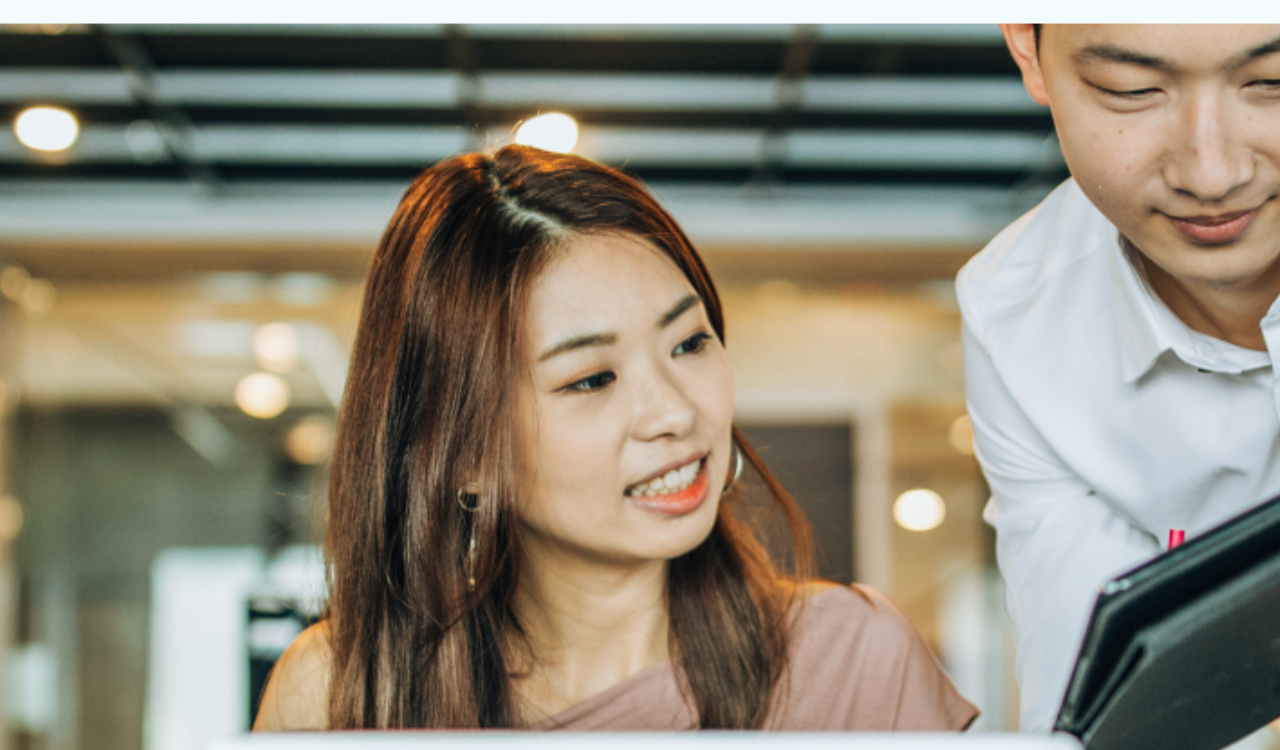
(262, 395)
(310, 441)
(961, 435)
(919, 510)
(276, 346)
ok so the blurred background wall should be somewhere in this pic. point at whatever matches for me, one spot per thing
(181, 282)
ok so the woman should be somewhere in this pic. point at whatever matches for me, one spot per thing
(533, 506)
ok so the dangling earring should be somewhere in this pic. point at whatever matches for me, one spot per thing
(737, 467)
(464, 493)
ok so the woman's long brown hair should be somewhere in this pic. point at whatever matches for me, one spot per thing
(428, 407)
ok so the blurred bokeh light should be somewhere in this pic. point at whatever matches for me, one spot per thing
(276, 347)
(919, 510)
(262, 395)
(46, 128)
(553, 131)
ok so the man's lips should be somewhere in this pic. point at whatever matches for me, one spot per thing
(1215, 230)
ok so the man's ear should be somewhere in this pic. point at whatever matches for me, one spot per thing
(1023, 45)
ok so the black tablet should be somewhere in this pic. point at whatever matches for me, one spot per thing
(1184, 650)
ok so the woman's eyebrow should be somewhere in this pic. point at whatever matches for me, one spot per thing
(587, 340)
(677, 310)
(579, 342)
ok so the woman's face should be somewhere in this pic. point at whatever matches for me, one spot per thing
(624, 409)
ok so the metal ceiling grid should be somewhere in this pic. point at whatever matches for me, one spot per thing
(774, 105)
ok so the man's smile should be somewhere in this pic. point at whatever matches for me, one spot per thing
(1215, 229)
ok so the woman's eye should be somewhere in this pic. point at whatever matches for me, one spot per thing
(592, 382)
(1267, 83)
(694, 344)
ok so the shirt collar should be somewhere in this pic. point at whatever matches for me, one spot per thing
(1148, 328)
(1142, 337)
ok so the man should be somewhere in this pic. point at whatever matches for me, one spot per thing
(1121, 338)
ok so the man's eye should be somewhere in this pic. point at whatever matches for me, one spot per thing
(1133, 94)
(592, 382)
(694, 344)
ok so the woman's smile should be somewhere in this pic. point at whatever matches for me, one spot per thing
(676, 492)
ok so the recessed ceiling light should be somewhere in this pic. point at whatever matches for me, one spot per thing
(550, 132)
(46, 128)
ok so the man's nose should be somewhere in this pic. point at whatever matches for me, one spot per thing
(1209, 159)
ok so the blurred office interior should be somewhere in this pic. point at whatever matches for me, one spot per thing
(181, 283)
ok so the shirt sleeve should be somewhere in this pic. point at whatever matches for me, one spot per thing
(1057, 541)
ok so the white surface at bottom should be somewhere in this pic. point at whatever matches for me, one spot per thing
(1263, 739)
(495, 740)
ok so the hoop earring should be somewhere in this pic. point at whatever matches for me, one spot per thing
(465, 492)
(737, 468)
(471, 545)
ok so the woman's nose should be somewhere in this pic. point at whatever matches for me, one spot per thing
(663, 409)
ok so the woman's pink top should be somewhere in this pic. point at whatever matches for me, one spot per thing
(856, 665)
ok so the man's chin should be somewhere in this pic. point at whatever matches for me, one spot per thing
(1216, 268)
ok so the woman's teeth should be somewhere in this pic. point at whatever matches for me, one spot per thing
(673, 481)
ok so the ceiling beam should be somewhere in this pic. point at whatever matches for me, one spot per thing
(407, 145)
(373, 89)
(172, 132)
(83, 214)
(795, 64)
(941, 33)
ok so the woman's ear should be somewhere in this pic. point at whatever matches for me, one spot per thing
(1024, 45)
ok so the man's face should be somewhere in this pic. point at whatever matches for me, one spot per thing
(1174, 133)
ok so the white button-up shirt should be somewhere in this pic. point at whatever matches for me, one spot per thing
(1101, 420)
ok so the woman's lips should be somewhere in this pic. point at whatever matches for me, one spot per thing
(679, 502)
(1215, 230)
